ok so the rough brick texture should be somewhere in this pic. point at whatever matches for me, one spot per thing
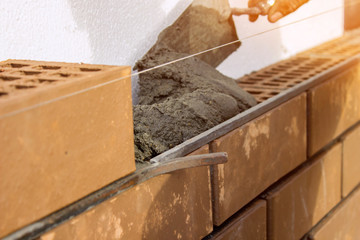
(351, 161)
(307, 196)
(24, 77)
(260, 153)
(341, 48)
(333, 106)
(274, 79)
(58, 152)
(172, 206)
(343, 223)
(250, 224)
(351, 12)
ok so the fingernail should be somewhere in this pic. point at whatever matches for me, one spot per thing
(275, 17)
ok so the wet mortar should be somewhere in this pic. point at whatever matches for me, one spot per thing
(183, 99)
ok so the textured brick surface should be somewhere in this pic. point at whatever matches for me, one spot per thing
(59, 152)
(351, 161)
(272, 80)
(172, 206)
(333, 107)
(24, 77)
(351, 12)
(306, 197)
(343, 223)
(343, 47)
(260, 152)
(250, 224)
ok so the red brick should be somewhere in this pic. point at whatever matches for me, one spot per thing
(307, 196)
(260, 153)
(343, 223)
(251, 224)
(351, 161)
(333, 107)
(172, 206)
(59, 152)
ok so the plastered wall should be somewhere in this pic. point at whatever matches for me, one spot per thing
(120, 32)
(286, 39)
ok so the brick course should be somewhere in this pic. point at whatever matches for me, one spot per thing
(333, 107)
(307, 196)
(351, 161)
(250, 224)
(260, 153)
(171, 206)
(57, 153)
(178, 205)
(343, 223)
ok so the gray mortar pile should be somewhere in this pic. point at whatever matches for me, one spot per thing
(183, 99)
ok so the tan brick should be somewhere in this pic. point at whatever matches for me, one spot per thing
(260, 152)
(56, 153)
(306, 197)
(250, 224)
(351, 15)
(351, 161)
(172, 206)
(343, 223)
(333, 107)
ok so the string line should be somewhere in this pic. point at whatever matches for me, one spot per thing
(170, 62)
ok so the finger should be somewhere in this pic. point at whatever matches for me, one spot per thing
(282, 8)
(275, 17)
(279, 10)
(253, 18)
(253, 3)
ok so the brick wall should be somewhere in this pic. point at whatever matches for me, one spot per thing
(351, 16)
(292, 173)
(60, 151)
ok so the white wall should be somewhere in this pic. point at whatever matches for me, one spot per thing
(91, 31)
(120, 32)
(270, 47)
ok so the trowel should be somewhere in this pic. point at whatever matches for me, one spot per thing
(262, 8)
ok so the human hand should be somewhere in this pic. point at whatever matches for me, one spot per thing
(278, 10)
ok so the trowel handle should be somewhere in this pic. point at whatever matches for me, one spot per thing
(261, 8)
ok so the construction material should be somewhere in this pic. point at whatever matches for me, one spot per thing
(342, 223)
(351, 161)
(250, 223)
(337, 97)
(303, 199)
(35, 230)
(260, 153)
(165, 191)
(261, 8)
(201, 28)
(180, 101)
(56, 152)
(183, 99)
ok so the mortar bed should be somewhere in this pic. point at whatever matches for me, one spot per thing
(278, 83)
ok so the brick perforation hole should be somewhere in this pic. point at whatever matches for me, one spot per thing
(272, 80)
(48, 67)
(346, 46)
(30, 73)
(90, 69)
(8, 78)
(335, 49)
(20, 76)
